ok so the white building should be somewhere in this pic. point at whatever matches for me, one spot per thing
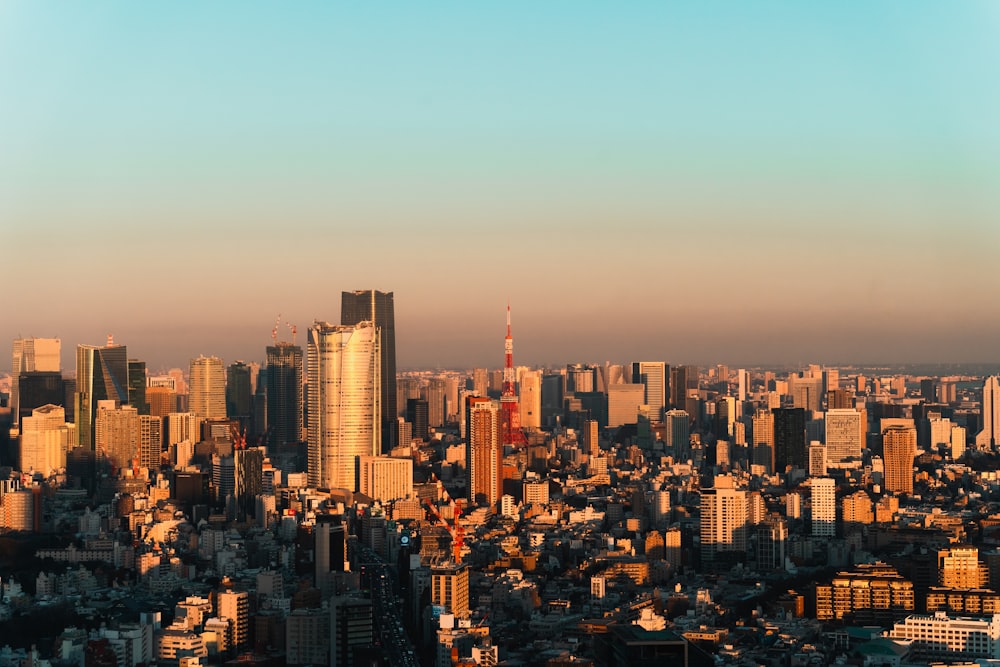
(723, 520)
(824, 506)
(943, 637)
(385, 478)
(45, 439)
(845, 430)
(989, 437)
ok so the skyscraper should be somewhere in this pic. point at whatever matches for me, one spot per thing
(207, 393)
(484, 453)
(377, 307)
(989, 437)
(824, 506)
(239, 392)
(284, 393)
(45, 439)
(654, 376)
(790, 438)
(32, 355)
(845, 436)
(899, 447)
(137, 386)
(345, 413)
(723, 523)
(763, 439)
(116, 434)
(530, 399)
(101, 375)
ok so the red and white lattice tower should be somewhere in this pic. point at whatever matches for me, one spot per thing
(510, 414)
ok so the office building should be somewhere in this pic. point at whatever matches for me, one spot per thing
(940, 637)
(207, 390)
(772, 536)
(284, 393)
(385, 478)
(899, 449)
(162, 401)
(45, 439)
(484, 453)
(417, 414)
(116, 434)
(623, 404)
(352, 630)
(436, 395)
(377, 307)
(530, 399)
(345, 413)
(655, 378)
(35, 389)
(762, 439)
(137, 386)
(239, 392)
(845, 437)
(31, 355)
(101, 375)
(989, 436)
(677, 434)
(823, 494)
(724, 523)
(789, 438)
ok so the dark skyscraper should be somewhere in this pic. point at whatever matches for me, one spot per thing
(417, 414)
(790, 438)
(284, 393)
(238, 394)
(137, 386)
(377, 307)
(38, 388)
(101, 374)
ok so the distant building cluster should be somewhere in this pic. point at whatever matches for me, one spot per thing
(320, 507)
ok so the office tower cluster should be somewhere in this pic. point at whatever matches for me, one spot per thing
(317, 506)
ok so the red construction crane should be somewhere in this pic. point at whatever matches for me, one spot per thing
(294, 331)
(456, 531)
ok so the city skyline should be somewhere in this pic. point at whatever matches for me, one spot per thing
(762, 184)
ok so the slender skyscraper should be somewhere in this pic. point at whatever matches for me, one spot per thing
(655, 377)
(484, 452)
(899, 448)
(284, 393)
(988, 438)
(377, 307)
(344, 401)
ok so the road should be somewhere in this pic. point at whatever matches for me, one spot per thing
(387, 610)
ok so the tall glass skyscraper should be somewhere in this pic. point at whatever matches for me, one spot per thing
(377, 307)
(345, 411)
(101, 375)
(284, 393)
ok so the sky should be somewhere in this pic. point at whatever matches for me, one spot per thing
(710, 182)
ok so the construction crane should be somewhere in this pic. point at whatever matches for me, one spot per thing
(274, 331)
(239, 437)
(294, 331)
(456, 531)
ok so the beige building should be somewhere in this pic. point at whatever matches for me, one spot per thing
(899, 447)
(45, 439)
(385, 478)
(207, 392)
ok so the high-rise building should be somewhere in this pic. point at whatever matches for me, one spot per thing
(101, 375)
(960, 567)
(239, 391)
(417, 415)
(284, 393)
(162, 401)
(137, 386)
(450, 588)
(591, 442)
(385, 478)
(32, 355)
(899, 448)
(530, 399)
(378, 308)
(762, 432)
(207, 394)
(772, 535)
(45, 439)
(150, 441)
(989, 437)
(345, 413)
(35, 389)
(723, 523)
(235, 606)
(351, 629)
(484, 453)
(623, 404)
(790, 438)
(845, 437)
(655, 377)
(824, 506)
(677, 435)
(436, 392)
(678, 387)
(116, 433)
(480, 382)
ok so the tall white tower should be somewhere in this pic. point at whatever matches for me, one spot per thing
(344, 401)
(208, 388)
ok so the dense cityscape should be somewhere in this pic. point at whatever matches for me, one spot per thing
(320, 507)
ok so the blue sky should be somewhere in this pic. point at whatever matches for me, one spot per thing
(696, 182)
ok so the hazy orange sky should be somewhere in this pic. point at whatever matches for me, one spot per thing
(698, 183)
